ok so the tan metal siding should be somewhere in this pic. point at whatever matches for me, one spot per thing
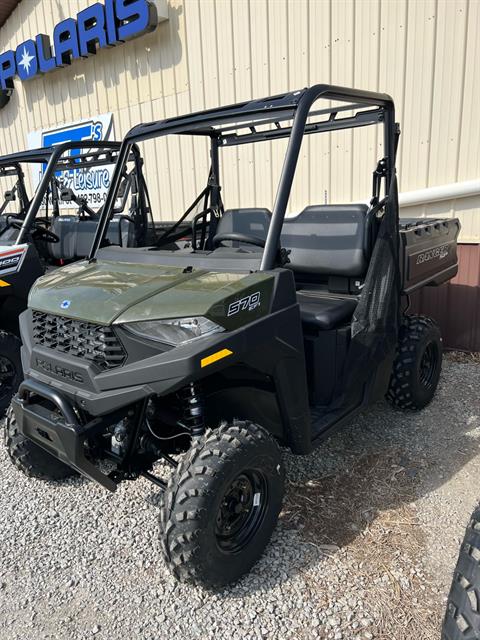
(425, 53)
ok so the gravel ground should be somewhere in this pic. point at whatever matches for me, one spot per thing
(364, 548)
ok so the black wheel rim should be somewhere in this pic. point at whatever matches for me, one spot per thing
(429, 365)
(241, 511)
(7, 377)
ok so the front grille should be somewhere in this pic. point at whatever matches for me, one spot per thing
(84, 340)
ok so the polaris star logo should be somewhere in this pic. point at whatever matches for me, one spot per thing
(65, 304)
(26, 61)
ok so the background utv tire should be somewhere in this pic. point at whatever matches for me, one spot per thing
(31, 459)
(222, 504)
(417, 365)
(11, 373)
(462, 618)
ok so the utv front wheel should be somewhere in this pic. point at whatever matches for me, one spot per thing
(31, 459)
(221, 504)
(462, 618)
(417, 365)
(10, 368)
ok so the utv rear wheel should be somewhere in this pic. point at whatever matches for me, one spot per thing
(462, 618)
(222, 504)
(10, 368)
(417, 365)
(31, 459)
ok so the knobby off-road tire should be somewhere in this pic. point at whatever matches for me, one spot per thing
(11, 373)
(222, 504)
(31, 459)
(418, 363)
(462, 618)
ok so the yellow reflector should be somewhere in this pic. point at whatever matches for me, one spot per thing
(215, 357)
(4, 284)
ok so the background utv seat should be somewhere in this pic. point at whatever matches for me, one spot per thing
(330, 248)
(76, 235)
(251, 221)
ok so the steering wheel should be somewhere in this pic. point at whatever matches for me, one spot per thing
(43, 232)
(238, 237)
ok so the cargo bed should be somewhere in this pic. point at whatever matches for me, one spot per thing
(428, 252)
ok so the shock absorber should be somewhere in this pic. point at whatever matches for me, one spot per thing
(194, 410)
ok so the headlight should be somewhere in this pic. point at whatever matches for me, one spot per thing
(175, 331)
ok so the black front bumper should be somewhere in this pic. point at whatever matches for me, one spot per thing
(58, 432)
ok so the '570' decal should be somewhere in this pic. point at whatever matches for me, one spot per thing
(249, 303)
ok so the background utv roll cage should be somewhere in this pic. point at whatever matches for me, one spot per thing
(92, 154)
(11, 165)
(243, 123)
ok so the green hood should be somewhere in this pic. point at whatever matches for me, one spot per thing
(110, 292)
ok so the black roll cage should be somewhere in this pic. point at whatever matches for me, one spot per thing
(222, 125)
(19, 186)
(11, 165)
(94, 154)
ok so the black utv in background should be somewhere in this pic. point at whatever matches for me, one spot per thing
(15, 201)
(13, 300)
(260, 331)
(39, 237)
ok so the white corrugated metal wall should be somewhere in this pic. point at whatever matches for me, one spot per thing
(425, 53)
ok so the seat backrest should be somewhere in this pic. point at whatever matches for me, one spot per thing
(76, 235)
(330, 240)
(252, 221)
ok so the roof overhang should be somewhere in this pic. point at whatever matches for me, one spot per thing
(6, 9)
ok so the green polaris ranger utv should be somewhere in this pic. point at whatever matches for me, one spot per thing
(256, 331)
(43, 233)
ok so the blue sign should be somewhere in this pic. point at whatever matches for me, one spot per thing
(96, 27)
(89, 183)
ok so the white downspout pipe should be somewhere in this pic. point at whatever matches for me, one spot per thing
(436, 194)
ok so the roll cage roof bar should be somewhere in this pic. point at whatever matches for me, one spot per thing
(93, 154)
(239, 124)
(30, 156)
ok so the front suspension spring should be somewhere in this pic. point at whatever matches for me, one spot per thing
(194, 417)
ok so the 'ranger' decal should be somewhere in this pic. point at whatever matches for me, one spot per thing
(249, 303)
(438, 252)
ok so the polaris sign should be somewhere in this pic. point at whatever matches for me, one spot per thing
(96, 27)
